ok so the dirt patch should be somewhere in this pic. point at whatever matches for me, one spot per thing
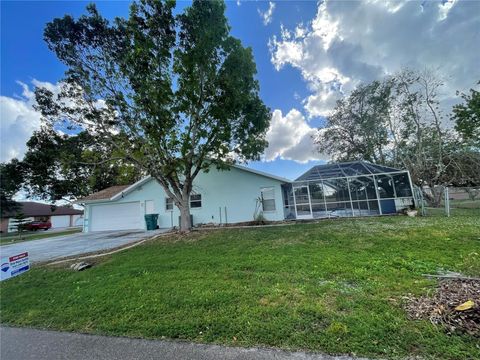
(440, 307)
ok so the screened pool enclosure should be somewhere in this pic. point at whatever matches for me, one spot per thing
(348, 189)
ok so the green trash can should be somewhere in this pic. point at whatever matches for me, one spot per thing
(151, 221)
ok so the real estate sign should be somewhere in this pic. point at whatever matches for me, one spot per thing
(14, 265)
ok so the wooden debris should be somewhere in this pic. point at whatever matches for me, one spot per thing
(80, 266)
(455, 305)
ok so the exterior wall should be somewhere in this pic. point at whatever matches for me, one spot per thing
(11, 223)
(234, 189)
(60, 221)
(4, 225)
(402, 204)
(77, 220)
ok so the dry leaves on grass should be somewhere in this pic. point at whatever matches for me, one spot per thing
(439, 308)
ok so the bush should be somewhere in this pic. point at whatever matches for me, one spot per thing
(260, 219)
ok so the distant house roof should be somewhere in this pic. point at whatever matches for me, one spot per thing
(104, 194)
(31, 208)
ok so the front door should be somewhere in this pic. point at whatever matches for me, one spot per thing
(301, 196)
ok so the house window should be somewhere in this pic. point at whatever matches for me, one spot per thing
(268, 199)
(168, 204)
(196, 201)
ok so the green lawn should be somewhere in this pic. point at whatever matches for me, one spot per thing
(335, 286)
(35, 235)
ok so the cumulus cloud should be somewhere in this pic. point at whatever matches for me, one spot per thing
(348, 43)
(19, 120)
(290, 138)
(267, 15)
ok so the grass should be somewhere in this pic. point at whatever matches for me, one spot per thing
(35, 235)
(335, 286)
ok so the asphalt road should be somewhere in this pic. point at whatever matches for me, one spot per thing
(75, 244)
(26, 344)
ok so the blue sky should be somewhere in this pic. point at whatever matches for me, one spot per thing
(308, 55)
(25, 56)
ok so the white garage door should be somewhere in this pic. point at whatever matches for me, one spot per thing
(60, 221)
(124, 216)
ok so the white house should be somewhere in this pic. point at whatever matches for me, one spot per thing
(218, 197)
(333, 190)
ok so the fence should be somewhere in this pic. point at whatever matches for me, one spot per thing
(453, 201)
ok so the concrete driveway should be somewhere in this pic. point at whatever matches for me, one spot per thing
(76, 244)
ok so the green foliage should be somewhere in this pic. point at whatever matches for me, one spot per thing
(67, 167)
(336, 286)
(11, 179)
(399, 121)
(19, 221)
(358, 127)
(467, 116)
(260, 218)
(179, 91)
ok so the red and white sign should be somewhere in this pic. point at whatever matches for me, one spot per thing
(14, 265)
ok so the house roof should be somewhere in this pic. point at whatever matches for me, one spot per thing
(261, 173)
(31, 208)
(338, 170)
(114, 192)
(105, 194)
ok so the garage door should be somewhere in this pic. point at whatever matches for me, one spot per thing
(60, 221)
(124, 216)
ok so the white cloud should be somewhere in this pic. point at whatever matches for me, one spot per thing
(239, 3)
(300, 31)
(322, 100)
(290, 138)
(445, 8)
(348, 43)
(267, 15)
(19, 120)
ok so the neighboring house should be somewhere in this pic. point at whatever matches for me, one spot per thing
(235, 195)
(459, 193)
(59, 216)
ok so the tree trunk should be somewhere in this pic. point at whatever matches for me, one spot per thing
(434, 198)
(185, 223)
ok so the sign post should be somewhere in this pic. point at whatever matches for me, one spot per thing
(14, 265)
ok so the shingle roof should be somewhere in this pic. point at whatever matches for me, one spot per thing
(31, 208)
(109, 193)
(104, 194)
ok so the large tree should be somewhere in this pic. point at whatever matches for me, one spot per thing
(11, 179)
(357, 128)
(399, 121)
(467, 117)
(174, 95)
